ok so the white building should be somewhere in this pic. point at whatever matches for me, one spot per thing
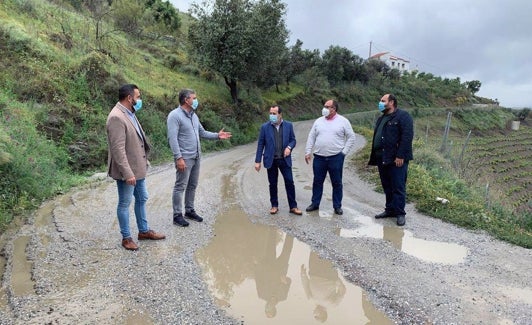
(394, 62)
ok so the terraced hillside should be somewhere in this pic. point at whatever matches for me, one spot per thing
(505, 163)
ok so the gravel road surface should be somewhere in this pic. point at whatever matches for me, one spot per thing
(65, 264)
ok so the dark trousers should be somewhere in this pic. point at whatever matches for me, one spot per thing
(334, 165)
(273, 176)
(393, 180)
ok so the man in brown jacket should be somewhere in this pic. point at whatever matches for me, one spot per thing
(128, 163)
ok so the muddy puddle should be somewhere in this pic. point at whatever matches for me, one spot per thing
(404, 240)
(3, 292)
(261, 275)
(21, 281)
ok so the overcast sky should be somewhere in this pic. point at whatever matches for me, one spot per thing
(486, 40)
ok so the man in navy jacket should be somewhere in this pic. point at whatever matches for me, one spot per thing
(275, 144)
(391, 151)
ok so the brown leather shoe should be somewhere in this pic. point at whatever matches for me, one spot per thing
(150, 234)
(129, 244)
(296, 211)
(274, 210)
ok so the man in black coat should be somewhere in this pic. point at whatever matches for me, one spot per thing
(391, 151)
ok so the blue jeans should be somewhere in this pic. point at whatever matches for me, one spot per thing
(273, 175)
(393, 180)
(333, 165)
(186, 183)
(125, 195)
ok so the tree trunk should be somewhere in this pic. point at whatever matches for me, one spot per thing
(233, 88)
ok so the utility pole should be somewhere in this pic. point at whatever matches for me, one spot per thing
(369, 56)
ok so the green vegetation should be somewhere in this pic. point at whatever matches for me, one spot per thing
(494, 156)
(64, 60)
(241, 40)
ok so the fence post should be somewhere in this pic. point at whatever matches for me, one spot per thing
(446, 132)
(487, 198)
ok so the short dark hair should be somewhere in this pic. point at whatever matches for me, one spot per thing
(279, 110)
(184, 94)
(392, 97)
(334, 104)
(126, 90)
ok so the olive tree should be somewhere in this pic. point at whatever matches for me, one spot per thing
(242, 40)
(473, 86)
(339, 64)
(300, 60)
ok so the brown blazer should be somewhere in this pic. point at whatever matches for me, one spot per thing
(128, 150)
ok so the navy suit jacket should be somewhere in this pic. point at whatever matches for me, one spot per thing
(266, 143)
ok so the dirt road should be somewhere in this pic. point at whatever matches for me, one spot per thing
(66, 265)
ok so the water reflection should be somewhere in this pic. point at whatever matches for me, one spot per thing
(394, 235)
(270, 273)
(322, 285)
(261, 275)
(230, 257)
(404, 240)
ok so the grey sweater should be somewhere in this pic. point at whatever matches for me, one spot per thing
(184, 133)
(330, 137)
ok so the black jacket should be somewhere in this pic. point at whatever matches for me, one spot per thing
(397, 136)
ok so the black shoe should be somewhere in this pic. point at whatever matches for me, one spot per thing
(180, 221)
(193, 215)
(401, 220)
(312, 207)
(385, 214)
(339, 211)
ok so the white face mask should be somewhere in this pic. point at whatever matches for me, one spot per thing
(325, 111)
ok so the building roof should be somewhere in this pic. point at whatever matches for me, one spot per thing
(392, 57)
(378, 55)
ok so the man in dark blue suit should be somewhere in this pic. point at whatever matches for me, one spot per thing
(275, 144)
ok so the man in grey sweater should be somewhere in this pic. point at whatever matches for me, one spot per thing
(184, 133)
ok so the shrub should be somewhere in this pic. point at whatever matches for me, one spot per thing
(190, 69)
(36, 168)
(172, 61)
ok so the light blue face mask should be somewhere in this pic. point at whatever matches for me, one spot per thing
(195, 104)
(273, 118)
(381, 106)
(138, 105)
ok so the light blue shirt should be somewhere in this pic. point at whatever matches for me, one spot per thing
(134, 120)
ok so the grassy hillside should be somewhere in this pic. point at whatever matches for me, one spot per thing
(486, 178)
(59, 79)
(62, 66)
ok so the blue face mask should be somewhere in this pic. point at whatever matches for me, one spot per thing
(138, 105)
(381, 106)
(195, 104)
(273, 118)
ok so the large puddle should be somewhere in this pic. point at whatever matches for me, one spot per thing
(261, 275)
(404, 240)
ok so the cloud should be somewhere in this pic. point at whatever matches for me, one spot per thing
(486, 40)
